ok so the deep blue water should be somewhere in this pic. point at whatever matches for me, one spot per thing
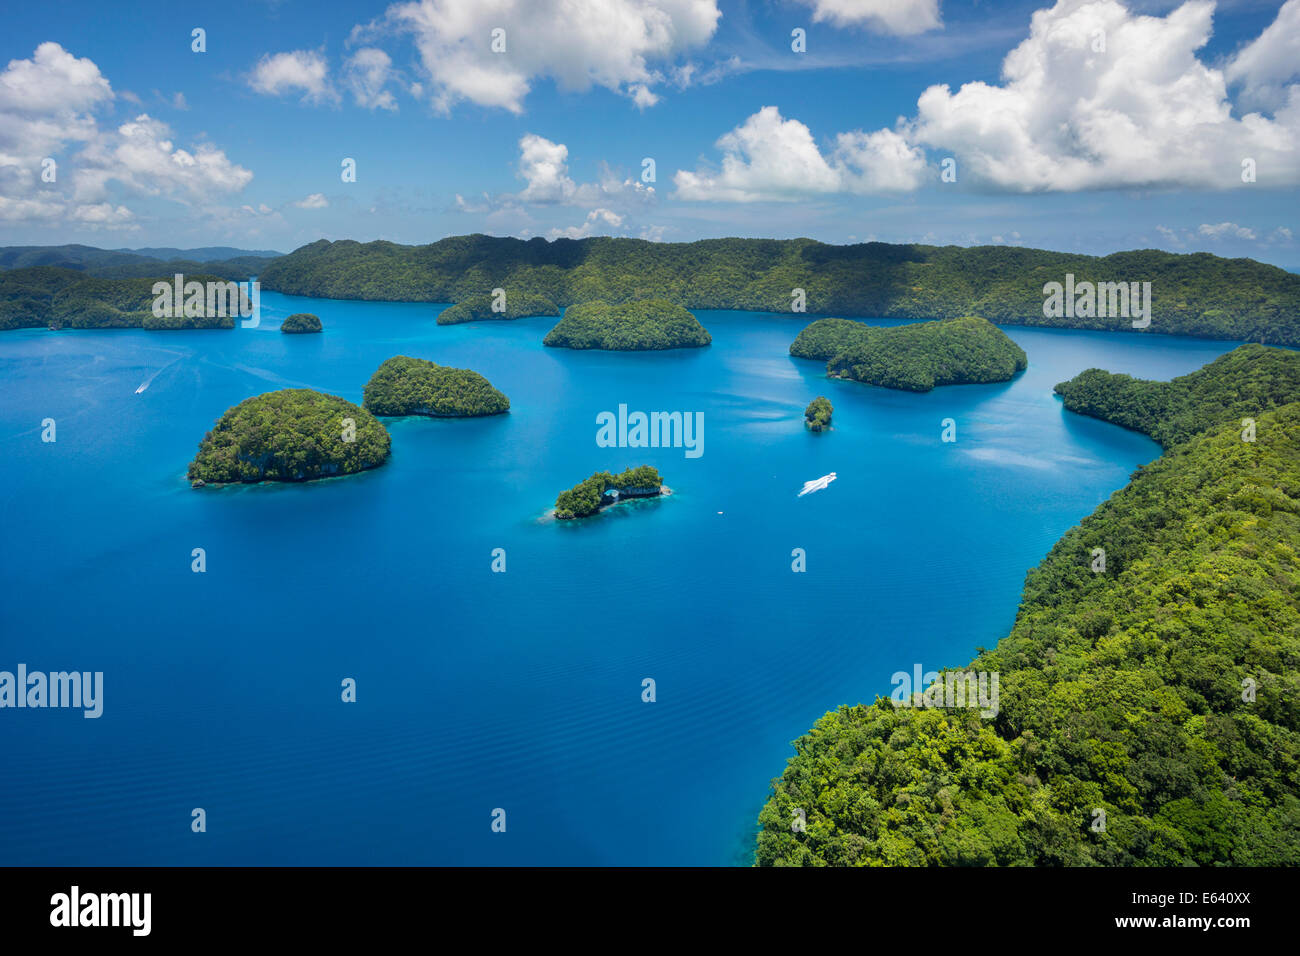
(478, 690)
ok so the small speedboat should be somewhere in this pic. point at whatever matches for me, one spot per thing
(817, 484)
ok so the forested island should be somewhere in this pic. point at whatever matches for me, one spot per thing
(643, 325)
(412, 386)
(294, 434)
(1241, 384)
(590, 496)
(817, 416)
(518, 305)
(46, 296)
(826, 338)
(963, 351)
(300, 323)
(1192, 294)
(228, 263)
(1158, 695)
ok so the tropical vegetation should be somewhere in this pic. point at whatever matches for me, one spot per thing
(1191, 294)
(1239, 385)
(1149, 705)
(412, 386)
(294, 434)
(517, 305)
(46, 296)
(817, 416)
(648, 324)
(916, 357)
(300, 322)
(589, 496)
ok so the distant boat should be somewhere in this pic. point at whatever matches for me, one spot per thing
(817, 484)
(149, 381)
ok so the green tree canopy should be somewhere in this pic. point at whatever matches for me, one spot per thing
(963, 351)
(413, 386)
(589, 496)
(1197, 294)
(643, 325)
(518, 304)
(818, 413)
(294, 434)
(300, 322)
(48, 296)
(1241, 384)
(1160, 694)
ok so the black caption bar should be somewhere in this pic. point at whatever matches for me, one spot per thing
(334, 905)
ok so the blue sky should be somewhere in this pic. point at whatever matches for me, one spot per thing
(1089, 125)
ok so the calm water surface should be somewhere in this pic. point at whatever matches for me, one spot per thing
(479, 690)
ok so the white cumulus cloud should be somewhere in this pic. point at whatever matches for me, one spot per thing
(882, 161)
(141, 155)
(771, 158)
(30, 210)
(898, 17)
(52, 81)
(597, 221)
(543, 165)
(46, 104)
(1098, 97)
(1225, 230)
(104, 214)
(302, 71)
(621, 45)
(47, 111)
(544, 168)
(1266, 66)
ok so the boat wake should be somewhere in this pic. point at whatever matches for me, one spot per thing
(817, 484)
(149, 381)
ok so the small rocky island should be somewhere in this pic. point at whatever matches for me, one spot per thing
(299, 323)
(413, 386)
(294, 434)
(518, 305)
(604, 489)
(916, 358)
(817, 416)
(645, 324)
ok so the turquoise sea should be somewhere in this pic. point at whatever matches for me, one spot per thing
(478, 690)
